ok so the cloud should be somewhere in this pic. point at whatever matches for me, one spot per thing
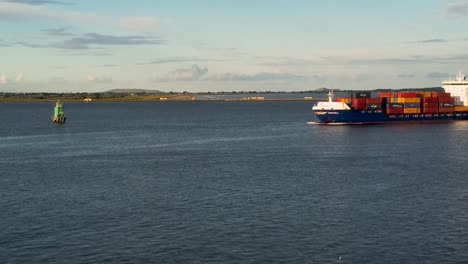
(19, 77)
(30, 45)
(458, 9)
(406, 76)
(437, 75)
(284, 61)
(175, 60)
(188, 74)
(22, 11)
(57, 79)
(31, 10)
(437, 40)
(57, 31)
(3, 79)
(90, 40)
(140, 24)
(264, 76)
(92, 78)
(37, 2)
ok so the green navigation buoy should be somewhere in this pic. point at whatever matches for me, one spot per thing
(59, 116)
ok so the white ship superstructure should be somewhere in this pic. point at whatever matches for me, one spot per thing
(330, 105)
(458, 88)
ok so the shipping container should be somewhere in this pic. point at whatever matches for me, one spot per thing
(394, 111)
(431, 100)
(407, 94)
(461, 108)
(386, 94)
(412, 110)
(394, 105)
(359, 103)
(362, 94)
(410, 100)
(446, 109)
(405, 100)
(440, 94)
(430, 110)
(424, 94)
(374, 106)
(412, 105)
(374, 101)
(449, 100)
(444, 105)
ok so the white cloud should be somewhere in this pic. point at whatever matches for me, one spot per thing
(93, 78)
(187, 74)
(140, 24)
(457, 9)
(3, 79)
(19, 77)
(25, 12)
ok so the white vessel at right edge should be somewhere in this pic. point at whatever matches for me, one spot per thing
(398, 107)
(458, 88)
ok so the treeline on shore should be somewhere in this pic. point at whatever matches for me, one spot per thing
(154, 95)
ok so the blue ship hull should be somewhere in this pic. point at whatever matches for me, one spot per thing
(379, 117)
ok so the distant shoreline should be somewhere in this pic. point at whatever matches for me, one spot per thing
(139, 96)
(146, 98)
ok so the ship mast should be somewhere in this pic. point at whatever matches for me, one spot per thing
(330, 96)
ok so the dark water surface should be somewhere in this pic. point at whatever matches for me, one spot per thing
(227, 182)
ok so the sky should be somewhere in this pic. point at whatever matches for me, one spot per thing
(224, 45)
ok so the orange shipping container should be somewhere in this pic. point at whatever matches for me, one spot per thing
(410, 100)
(386, 94)
(412, 110)
(461, 108)
(424, 94)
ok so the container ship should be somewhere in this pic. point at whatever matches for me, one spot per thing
(398, 107)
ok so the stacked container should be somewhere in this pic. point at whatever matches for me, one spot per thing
(446, 104)
(430, 105)
(386, 94)
(412, 105)
(374, 104)
(359, 103)
(395, 108)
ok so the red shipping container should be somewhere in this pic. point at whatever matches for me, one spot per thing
(430, 110)
(374, 101)
(395, 111)
(386, 94)
(431, 105)
(359, 103)
(407, 94)
(431, 100)
(449, 100)
(446, 109)
(440, 94)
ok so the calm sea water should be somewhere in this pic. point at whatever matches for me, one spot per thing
(227, 182)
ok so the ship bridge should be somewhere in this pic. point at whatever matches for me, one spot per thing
(457, 88)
